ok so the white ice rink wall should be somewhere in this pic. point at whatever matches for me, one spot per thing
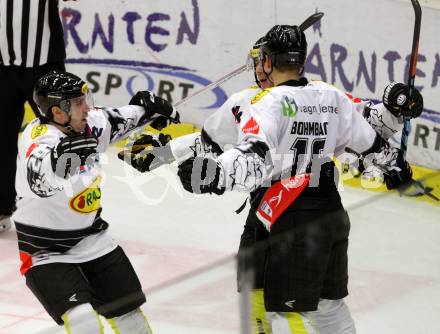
(175, 47)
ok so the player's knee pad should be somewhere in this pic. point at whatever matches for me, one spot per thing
(82, 319)
(134, 322)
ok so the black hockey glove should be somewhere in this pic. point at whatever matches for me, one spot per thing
(160, 111)
(200, 176)
(396, 100)
(148, 152)
(72, 152)
(396, 178)
(390, 162)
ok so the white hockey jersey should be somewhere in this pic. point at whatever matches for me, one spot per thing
(221, 129)
(58, 220)
(281, 128)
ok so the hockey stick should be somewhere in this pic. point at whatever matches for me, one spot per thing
(311, 20)
(213, 85)
(412, 72)
(411, 77)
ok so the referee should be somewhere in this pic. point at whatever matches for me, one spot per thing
(31, 44)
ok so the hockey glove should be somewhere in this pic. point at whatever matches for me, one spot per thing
(200, 176)
(390, 162)
(72, 152)
(148, 152)
(157, 110)
(396, 100)
(396, 178)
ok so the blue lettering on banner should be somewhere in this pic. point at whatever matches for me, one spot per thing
(153, 29)
(363, 71)
(107, 41)
(103, 28)
(436, 72)
(130, 17)
(185, 29)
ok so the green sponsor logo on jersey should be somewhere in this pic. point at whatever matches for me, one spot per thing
(289, 107)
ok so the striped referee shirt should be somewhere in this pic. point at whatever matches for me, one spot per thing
(31, 33)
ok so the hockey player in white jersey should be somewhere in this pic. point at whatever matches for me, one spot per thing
(70, 261)
(288, 135)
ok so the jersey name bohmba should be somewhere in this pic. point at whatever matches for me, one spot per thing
(309, 128)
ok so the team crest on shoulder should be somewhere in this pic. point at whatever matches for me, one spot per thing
(38, 130)
(260, 95)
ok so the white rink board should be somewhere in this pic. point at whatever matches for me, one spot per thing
(176, 47)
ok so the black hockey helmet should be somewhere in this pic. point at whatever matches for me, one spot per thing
(58, 88)
(285, 45)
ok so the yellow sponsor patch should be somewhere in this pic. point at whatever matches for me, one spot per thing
(89, 200)
(38, 130)
(260, 95)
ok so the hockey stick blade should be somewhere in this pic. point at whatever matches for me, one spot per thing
(420, 190)
(412, 71)
(311, 20)
(213, 85)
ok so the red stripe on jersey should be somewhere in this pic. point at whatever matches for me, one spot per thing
(30, 149)
(26, 262)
